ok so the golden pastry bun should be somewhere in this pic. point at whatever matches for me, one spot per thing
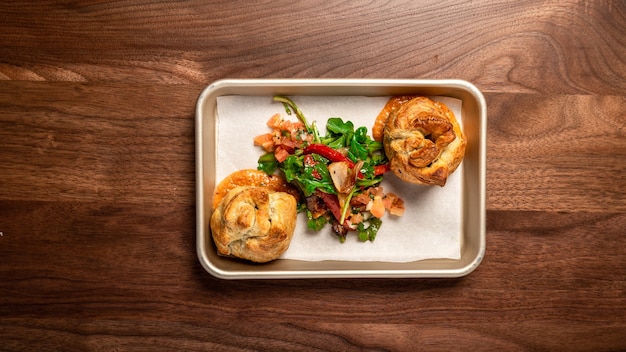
(255, 178)
(423, 142)
(254, 223)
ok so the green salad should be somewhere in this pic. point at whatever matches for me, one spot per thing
(339, 173)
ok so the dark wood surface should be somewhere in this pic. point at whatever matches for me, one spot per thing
(97, 209)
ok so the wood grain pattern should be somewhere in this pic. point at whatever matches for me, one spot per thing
(130, 140)
(517, 46)
(131, 266)
(97, 208)
(558, 152)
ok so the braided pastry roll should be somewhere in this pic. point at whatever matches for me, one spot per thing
(423, 141)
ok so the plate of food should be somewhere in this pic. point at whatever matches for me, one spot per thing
(340, 178)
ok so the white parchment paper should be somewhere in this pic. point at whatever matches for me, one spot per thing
(431, 224)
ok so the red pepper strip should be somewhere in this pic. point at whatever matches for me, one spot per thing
(335, 156)
(381, 169)
(327, 152)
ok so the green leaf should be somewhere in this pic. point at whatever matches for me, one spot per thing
(267, 163)
(337, 142)
(361, 135)
(357, 150)
(338, 126)
(303, 176)
(292, 167)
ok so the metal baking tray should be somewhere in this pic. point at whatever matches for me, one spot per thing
(474, 117)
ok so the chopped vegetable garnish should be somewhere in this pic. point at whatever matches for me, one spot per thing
(339, 173)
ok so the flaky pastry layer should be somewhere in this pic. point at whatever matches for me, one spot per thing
(423, 142)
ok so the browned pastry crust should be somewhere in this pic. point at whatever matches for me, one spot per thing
(423, 142)
(252, 178)
(254, 223)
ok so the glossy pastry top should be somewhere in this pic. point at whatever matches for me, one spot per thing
(252, 178)
(423, 141)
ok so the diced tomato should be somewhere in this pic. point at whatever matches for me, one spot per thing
(266, 141)
(281, 154)
(275, 121)
(356, 218)
(362, 199)
(377, 208)
(288, 126)
(298, 126)
(305, 137)
(309, 161)
(289, 142)
(376, 191)
(260, 139)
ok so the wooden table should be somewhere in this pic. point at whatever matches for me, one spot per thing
(97, 207)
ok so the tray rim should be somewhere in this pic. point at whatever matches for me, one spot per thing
(243, 83)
